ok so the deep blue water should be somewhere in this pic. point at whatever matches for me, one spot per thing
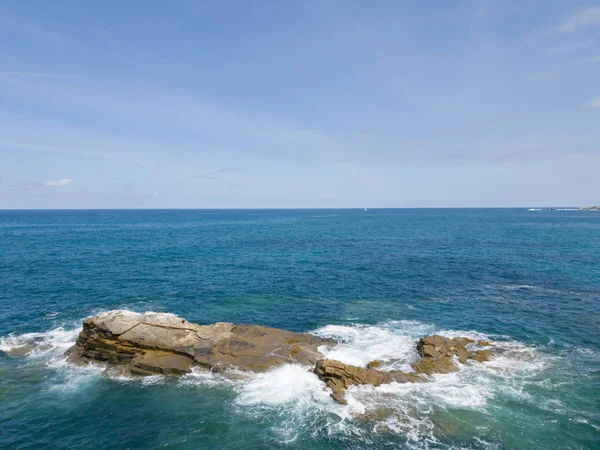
(378, 280)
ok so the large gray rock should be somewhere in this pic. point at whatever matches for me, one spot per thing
(163, 343)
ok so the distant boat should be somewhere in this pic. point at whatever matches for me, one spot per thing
(365, 209)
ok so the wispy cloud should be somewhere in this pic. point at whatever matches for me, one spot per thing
(544, 76)
(594, 103)
(55, 138)
(33, 32)
(568, 34)
(190, 116)
(61, 182)
(21, 186)
(219, 173)
(589, 17)
(13, 75)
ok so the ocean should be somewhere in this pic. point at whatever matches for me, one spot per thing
(376, 280)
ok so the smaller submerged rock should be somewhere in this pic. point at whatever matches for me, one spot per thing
(22, 350)
(482, 355)
(376, 415)
(339, 377)
(375, 364)
(438, 354)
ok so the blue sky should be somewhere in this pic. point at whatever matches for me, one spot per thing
(222, 104)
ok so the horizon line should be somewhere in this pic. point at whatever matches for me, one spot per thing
(287, 208)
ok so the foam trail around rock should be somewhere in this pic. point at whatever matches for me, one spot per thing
(55, 340)
(360, 344)
(289, 383)
(301, 401)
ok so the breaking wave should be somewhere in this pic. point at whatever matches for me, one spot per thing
(36, 345)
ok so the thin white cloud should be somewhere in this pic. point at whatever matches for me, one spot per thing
(544, 76)
(11, 76)
(588, 17)
(61, 182)
(219, 173)
(187, 114)
(594, 103)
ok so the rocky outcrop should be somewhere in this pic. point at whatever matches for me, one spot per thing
(339, 377)
(438, 354)
(162, 343)
(375, 364)
(22, 350)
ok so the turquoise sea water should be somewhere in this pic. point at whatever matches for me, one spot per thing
(376, 280)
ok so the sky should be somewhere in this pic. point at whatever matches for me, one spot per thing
(299, 104)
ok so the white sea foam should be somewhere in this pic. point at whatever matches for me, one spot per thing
(47, 354)
(285, 384)
(585, 421)
(588, 352)
(204, 378)
(391, 342)
(56, 340)
(69, 379)
(527, 287)
(555, 209)
(119, 377)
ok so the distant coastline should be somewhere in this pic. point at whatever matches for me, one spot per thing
(581, 208)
